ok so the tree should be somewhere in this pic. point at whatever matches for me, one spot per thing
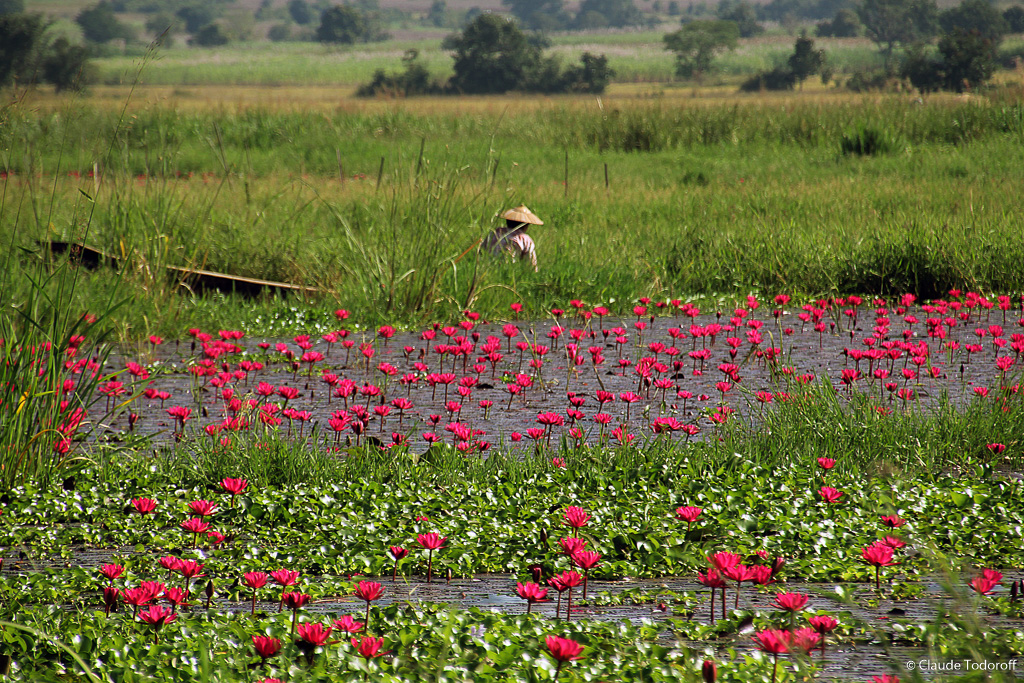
(924, 73)
(975, 15)
(743, 14)
(301, 13)
(591, 77)
(779, 78)
(1014, 17)
(27, 54)
(844, 24)
(346, 25)
(889, 23)
(160, 22)
(438, 13)
(805, 60)
(969, 59)
(21, 42)
(615, 13)
(99, 25)
(697, 43)
(491, 56)
(237, 24)
(197, 16)
(211, 35)
(784, 11)
(279, 33)
(414, 80)
(12, 7)
(67, 66)
(539, 15)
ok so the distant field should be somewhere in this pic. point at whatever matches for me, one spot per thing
(636, 58)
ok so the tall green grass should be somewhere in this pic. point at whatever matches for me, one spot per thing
(705, 200)
(53, 341)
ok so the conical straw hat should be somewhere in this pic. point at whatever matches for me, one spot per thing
(521, 214)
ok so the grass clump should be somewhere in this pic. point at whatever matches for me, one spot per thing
(868, 141)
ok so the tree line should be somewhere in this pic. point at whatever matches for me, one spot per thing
(955, 49)
(493, 55)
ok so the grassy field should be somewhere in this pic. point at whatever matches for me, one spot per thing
(635, 56)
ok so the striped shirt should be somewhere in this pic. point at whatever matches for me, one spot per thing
(518, 244)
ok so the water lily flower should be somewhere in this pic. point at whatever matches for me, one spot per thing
(347, 624)
(829, 494)
(987, 582)
(398, 553)
(585, 560)
(369, 647)
(368, 591)
(572, 545)
(563, 650)
(689, 514)
(774, 642)
(430, 542)
(805, 639)
(156, 616)
(708, 671)
(195, 526)
(893, 521)
(824, 625)
(878, 555)
(312, 636)
(110, 598)
(713, 580)
(790, 602)
(284, 578)
(532, 593)
(266, 647)
(234, 487)
(176, 596)
(112, 571)
(203, 508)
(739, 573)
(566, 581)
(723, 560)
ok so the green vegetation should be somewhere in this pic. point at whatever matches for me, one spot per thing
(492, 55)
(326, 519)
(697, 43)
(344, 24)
(29, 53)
(381, 206)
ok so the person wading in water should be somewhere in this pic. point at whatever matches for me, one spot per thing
(512, 238)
